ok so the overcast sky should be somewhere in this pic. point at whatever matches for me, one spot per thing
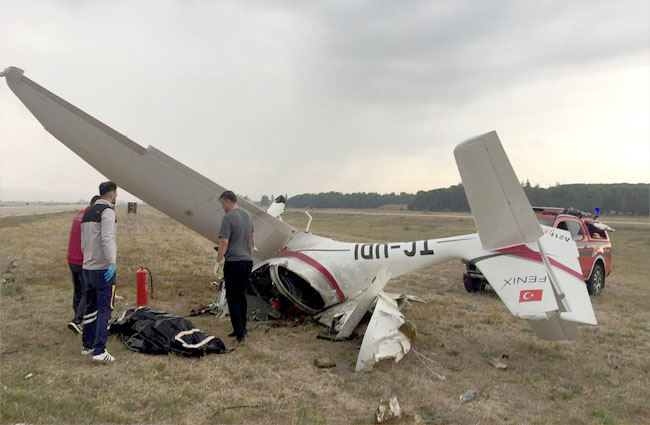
(294, 97)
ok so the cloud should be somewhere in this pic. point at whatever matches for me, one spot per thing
(278, 96)
(453, 52)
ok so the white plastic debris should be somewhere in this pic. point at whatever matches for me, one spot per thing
(365, 301)
(384, 338)
(468, 396)
(387, 410)
(29, 375)
(497, 363)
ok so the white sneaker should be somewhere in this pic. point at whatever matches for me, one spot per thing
(85, 351)
(104, 357)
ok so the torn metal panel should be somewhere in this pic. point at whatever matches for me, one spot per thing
(404, 300)
(388, 410)
(383, 338)
(365, 301)
(334, 316)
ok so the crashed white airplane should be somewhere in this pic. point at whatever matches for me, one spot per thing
(339, 282)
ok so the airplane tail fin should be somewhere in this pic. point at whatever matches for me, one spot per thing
(501, 210)
(536, 273)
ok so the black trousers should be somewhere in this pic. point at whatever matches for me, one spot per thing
(79, 295)
(237, 275)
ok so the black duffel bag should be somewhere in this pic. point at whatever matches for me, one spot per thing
(155, 332)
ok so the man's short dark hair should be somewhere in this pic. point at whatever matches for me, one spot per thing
(95, 199)
(106, 187)
(228, 195)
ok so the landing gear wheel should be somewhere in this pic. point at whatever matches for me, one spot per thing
(473, 285)
(596, 281)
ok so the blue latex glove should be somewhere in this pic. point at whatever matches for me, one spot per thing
(110, 272)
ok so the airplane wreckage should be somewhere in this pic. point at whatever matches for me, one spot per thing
(337, 282)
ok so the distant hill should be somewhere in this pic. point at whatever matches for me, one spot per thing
(617, 198)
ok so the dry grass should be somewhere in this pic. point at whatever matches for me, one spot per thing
(604, 377)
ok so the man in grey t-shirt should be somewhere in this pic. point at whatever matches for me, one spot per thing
(235, 259)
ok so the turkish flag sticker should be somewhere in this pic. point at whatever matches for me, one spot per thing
(530, 295)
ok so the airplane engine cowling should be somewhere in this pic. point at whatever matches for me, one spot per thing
(303, 283)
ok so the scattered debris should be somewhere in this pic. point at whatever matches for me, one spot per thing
(12, 265)
(468, 396)
(10, 273)
(324, 362)
(363, 303)
(383, 338)
(346, 317)
(404, 300)
(119, 297)
(497, 363)
(387, 410)
(29, 375)
(334, 317)
(202, 309)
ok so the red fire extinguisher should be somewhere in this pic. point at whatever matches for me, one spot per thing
(142, 297)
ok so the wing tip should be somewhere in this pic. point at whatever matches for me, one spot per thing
(12, 71)
(475, 139)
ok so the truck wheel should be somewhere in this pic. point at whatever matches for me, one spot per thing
(596, 281)
(472, 285)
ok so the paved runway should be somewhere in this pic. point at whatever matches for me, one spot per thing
(7, 210)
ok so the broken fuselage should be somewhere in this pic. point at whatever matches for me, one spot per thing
(316, 273)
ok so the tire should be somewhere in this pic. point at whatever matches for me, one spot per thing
(473, 285)
(596, 281)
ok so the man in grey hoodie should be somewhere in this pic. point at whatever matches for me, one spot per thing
(98, 228)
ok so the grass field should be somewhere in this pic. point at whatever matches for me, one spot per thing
(603, 377)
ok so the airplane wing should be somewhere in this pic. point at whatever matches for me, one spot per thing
(149, 174)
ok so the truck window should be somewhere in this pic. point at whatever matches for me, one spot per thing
(576, 230)
(596, 233)
(546, 221)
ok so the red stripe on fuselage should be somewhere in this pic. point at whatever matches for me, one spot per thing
(318, 266)
(524, 252)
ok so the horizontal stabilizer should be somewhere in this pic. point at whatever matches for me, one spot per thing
(550, 295)
(501, 210)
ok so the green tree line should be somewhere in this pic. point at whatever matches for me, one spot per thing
(348, 200)
(618, 198)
